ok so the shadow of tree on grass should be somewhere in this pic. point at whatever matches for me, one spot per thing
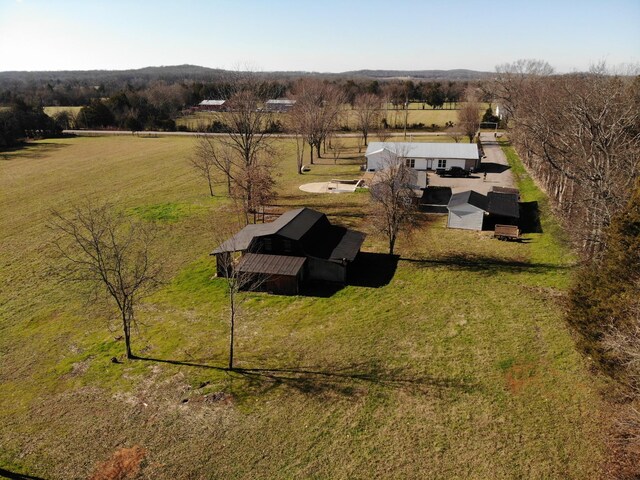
(349, 380)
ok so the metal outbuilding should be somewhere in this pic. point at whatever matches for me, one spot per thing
(467, 210)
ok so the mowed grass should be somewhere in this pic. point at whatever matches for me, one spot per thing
(460, 366)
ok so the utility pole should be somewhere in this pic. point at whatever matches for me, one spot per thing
(406, 115)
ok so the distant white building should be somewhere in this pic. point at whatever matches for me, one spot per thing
(214, 105)
(279, 105)
(424, 156)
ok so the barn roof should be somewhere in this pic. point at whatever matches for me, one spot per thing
(503, 204)
(470, 197)
(280, 101)
(335, 242)
(271, 264)
(300, 223)
(348, 247)
(462, 151)
(241, 240)
(212, 103)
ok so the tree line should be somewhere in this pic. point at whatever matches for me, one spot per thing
(579, 135)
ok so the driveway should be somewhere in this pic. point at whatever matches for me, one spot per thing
(494, 164)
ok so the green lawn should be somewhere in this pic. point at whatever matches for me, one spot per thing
(459, 367)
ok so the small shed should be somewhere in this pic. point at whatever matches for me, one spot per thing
(467, 210)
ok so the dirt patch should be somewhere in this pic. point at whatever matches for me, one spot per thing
(518, 377)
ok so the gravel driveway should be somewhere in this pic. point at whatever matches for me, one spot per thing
(495, 164)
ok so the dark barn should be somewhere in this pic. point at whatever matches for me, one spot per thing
(303, 234)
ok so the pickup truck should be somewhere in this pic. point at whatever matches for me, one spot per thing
(507, 232)
(453, 172)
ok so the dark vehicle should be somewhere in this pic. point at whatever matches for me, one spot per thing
(453, 172)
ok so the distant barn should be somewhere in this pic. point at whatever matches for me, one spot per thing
(279, 105)
(212, 105)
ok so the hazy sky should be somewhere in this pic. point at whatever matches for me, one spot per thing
(322, 35)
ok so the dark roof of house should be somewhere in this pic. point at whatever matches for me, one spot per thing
(436, 196)
(503, 204)
(270, 264)
(470, 197)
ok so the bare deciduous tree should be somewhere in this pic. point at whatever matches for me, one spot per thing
(579, 135)
(469, 115)
(205, 161)
(367, 113)
(393, 209)
(107, 251)
(336, 149)
(455, 134)
(245, 154)
(316, 112)
(236, 281)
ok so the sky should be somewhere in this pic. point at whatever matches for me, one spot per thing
(321, 35)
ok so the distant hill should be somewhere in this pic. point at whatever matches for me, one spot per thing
(457, 74)
(195, 72)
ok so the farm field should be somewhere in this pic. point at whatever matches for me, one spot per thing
(453, 363)
(52, 110)
(395, 118)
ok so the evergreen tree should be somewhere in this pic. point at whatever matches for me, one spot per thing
(607, 290)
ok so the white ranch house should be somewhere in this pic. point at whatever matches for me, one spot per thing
(424, 156)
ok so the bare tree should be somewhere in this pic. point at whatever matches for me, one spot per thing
(336, 149)
(236, 281)
(245, 154)
(455, 134)
(300, 143)
(367, 112)
(209, 157)
(383, 133)
(107, 251)
(204, 161)
(316, 112)
(393, 210)
(469, 115)
(579, 136)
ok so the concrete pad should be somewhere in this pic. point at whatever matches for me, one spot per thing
(318, 187)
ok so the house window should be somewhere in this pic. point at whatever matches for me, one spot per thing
(411, 162)
(287, 246)
(442, 164)
(268, 244)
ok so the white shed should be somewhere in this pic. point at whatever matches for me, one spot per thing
(424, 156)
(467, 210)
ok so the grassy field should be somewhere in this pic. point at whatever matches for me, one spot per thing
(395, 118)
(460, 366)
(51, 111)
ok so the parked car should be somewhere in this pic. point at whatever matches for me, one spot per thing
(453, 172)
